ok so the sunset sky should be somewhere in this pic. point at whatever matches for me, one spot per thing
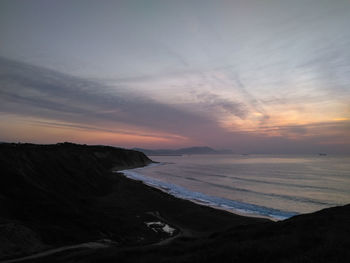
(247, 75)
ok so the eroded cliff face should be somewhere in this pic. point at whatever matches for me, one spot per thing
(46, 192)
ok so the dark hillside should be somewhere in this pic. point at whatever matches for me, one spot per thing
(46, 191)
(67, 194)
(319, 237)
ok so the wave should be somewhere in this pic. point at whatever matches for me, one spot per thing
(233, 178)
(280, 196)
(213, 201)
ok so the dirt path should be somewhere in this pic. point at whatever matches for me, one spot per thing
(88, 245)
(183, 232)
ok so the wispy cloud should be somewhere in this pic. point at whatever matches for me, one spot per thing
(215, 102)
(48, 100)
(32, 91)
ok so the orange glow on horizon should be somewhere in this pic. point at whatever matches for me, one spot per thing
(20, 131)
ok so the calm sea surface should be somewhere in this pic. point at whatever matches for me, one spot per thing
(276, 186)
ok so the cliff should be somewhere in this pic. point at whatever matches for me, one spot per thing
(53, 196)
(46, 192)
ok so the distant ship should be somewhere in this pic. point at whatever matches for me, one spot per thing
(322, 154)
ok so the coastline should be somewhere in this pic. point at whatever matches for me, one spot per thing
(210, 234)
(69, 196)
(231, 206)
(68, 209)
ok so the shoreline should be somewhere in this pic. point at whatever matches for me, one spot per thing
(164, 187)
(60, 254)
(81, 200)
(231, 211)
(73, 197)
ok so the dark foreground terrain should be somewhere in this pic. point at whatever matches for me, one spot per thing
(57, 196)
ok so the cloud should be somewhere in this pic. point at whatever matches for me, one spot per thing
(37, 92)
(214, 101)
(46, 98)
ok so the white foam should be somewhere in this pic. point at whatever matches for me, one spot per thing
(218, 202)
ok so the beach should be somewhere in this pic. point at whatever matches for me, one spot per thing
(275, 186)
(211, 235)
(66, 194)
(125, 220)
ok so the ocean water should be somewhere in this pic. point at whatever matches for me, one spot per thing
(274, 186)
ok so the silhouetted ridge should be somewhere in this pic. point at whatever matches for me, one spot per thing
(45, 191)
(65, 194)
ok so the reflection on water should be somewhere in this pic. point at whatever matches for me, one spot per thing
(291, 183)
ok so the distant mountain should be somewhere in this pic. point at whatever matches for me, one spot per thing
(181, 151)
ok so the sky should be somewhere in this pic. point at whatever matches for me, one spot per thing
(248, 75)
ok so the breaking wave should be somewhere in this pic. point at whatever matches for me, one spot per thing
(213, 201)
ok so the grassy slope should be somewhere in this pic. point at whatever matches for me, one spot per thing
(85, 202)
(46, 192)
(58, 195)
(319, 237)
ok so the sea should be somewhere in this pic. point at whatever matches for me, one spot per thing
(272, 186)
